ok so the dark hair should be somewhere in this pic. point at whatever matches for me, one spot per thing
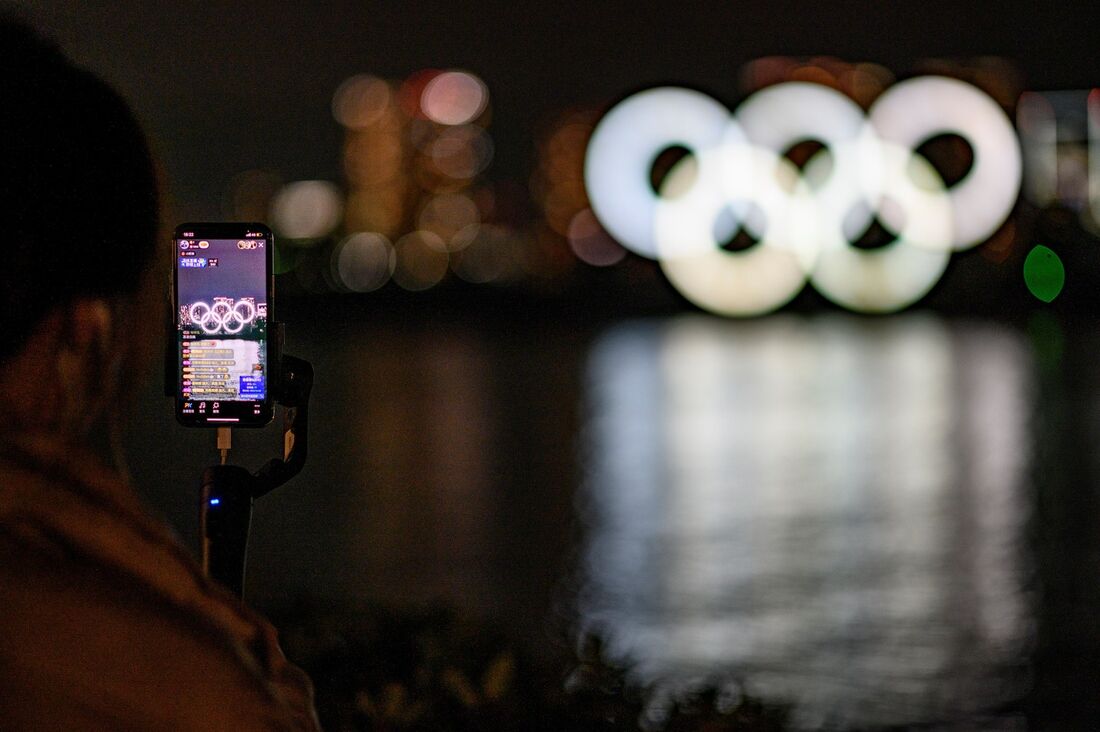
(78, 191)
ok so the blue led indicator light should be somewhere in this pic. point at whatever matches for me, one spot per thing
(215, 501)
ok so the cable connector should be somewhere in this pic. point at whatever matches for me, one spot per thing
(225, 442)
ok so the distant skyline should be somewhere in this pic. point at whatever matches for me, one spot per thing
(249, 86)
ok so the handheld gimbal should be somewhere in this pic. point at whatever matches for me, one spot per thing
(229, 490)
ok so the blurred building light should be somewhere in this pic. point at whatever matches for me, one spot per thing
(411, 92)
(361, 101)
(806, 220)
(307, 209)
(766, 71)
(815, 74)
(865, 82)
(447, 214)
(364, 261)
(1035, 119)
(373, 157)
(463, 238)
(996, 76)
(591, 243)
(562, 203)
(1001, 245)
(548, 259)
(412, 153)
(492, 253)
(380, 209)
(1060, 131)
(557, 187)
(462, 152)
(563, 158)
(454, 98)
(421, 261)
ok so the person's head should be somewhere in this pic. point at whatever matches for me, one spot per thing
(78, 236)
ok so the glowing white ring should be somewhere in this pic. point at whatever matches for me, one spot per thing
(756, 280)
(810, 217)
(894, 276)
(915, 110)
(627, 141)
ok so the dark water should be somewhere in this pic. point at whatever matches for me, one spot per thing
(886, 521)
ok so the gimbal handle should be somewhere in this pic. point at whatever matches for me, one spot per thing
(229, 490)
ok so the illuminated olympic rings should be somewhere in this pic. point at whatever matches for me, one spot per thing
(223, 316)
(803, 220)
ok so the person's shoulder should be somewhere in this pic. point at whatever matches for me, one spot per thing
(106, 621)
(83, 647)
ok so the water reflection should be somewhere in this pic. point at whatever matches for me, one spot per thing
(831, 510)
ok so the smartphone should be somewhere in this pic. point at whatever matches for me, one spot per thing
(222, 306)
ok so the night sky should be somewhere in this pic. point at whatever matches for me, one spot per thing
(249, 85)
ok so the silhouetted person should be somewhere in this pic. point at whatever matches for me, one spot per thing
(106, 622)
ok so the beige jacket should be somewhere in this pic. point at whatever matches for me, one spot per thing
(106, 622)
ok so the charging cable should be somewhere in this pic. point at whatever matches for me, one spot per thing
(225, 441)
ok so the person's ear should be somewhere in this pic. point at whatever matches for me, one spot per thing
(84, 341)
(90, 326)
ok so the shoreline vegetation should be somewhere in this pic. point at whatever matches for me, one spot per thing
(384, 669)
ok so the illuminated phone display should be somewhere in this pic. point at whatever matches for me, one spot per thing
(223, 313)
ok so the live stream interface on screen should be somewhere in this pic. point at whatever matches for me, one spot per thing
(222, 325)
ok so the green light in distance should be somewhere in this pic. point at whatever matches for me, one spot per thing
(1044, 274)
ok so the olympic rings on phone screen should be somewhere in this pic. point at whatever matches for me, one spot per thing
(223, 316)
(803, 220)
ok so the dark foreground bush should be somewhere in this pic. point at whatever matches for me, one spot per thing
(432, 670)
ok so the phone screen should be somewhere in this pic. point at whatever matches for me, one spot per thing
(222, 313)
